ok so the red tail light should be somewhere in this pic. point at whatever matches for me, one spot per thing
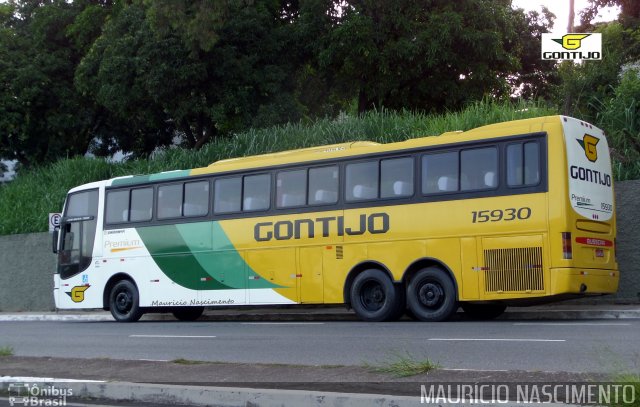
(567, 251)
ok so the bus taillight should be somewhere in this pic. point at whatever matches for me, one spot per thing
(567, 251)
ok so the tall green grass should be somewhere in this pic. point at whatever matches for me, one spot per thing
(25, 202)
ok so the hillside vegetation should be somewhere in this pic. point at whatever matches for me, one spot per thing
(26, 202)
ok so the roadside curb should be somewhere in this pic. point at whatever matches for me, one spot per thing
(227, 396)
(213, 396)
(535, 314)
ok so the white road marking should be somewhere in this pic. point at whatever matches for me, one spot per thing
(571, 323)
(153, 360)
(498, 339)
(171, 336)
(282, 323)
(30, 379)
(476, 370)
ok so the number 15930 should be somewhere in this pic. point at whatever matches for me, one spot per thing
(497, 215)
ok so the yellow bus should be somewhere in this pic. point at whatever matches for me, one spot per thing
(514, 213)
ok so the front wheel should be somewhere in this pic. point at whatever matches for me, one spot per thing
(124, 302)
(187, 313)
(375, 298)
(431, 295)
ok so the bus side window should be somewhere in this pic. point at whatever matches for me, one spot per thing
(362, 181)
(479, 167)
(196, 198)
(257, 192)
(323, 185)
(227, 195)
(440, 172)
(523, 164)
(141, 204)
(169, 201)
(291, 188)
(396, 177)
(117, 206)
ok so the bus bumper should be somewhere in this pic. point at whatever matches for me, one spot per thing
(584, 281)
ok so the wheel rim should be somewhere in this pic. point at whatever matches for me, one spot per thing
(124, 302)
(372, 296)
(430, 294)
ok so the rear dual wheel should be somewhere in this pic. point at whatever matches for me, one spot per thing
(431, 295)
(375, 298)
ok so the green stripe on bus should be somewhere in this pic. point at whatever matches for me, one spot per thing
(199, 256)
(139, 179)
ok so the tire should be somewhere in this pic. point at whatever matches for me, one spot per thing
(375, 298)
(124, 302)
(431, 295)
(486, 311)
(187, 313)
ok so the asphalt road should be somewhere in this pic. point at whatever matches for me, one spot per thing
(582, 346)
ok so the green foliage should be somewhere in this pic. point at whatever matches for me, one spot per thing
(620, 115)
(26, 201)
(405, 365)
(6, 351)
(431, 56)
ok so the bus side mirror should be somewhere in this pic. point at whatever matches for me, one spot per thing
(54, 242)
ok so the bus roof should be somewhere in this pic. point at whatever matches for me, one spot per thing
(320, 153)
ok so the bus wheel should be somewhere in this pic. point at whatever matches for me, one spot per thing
(431, 295)
(375, 298)
(483, 311)
(124, 302)
(187, 313)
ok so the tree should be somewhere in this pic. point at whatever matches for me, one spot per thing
(42, 117)
(629, 11)
(198, 68)
(431, 55)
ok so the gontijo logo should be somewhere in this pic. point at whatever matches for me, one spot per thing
(77, 292)
(571, 41)
(588, 144)
(572, 46)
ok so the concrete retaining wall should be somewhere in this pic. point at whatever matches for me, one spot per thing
(27, 264)
(26, 272)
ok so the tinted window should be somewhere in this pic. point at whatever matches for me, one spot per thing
(169, 201)
(257, 192)
(479, 169)
(362, 181)
(291, 189)
(117, 206)
(523, 164)
(439, 173)
(227, 195)
(396, 177)
(141, 204)
(531, 163)
(323, 185)
(196, 198)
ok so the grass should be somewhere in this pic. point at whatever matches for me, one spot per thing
(26, 201)
(6, 351)
(404, 365)
(627, 379)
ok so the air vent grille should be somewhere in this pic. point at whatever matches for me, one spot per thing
(513, 270)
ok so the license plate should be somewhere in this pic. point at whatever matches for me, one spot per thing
(599, 252)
